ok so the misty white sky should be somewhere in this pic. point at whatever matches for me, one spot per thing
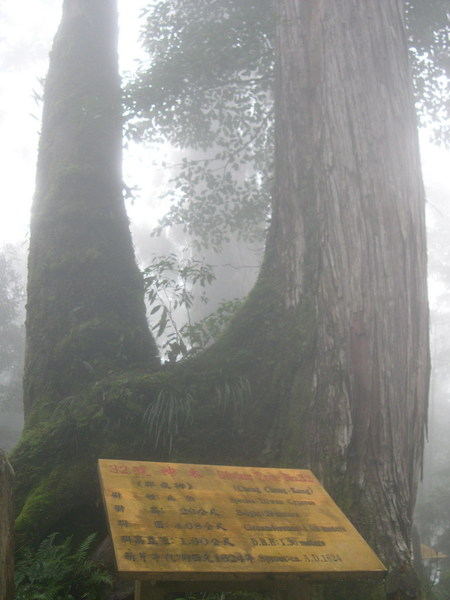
(25, 41)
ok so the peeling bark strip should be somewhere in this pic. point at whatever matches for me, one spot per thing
(6, 529)
(349, 238)
(86, 313)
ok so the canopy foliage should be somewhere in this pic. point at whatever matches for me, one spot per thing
(206, 87)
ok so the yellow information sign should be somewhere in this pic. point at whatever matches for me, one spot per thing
(169, 520)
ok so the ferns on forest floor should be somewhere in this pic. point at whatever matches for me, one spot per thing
(54, 572)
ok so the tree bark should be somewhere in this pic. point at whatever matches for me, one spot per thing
(348, 238)
(6, 529)
(85, 313)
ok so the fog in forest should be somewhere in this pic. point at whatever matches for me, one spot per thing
(204, 279)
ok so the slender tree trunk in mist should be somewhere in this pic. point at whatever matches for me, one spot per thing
(347, 245)
(85, 314)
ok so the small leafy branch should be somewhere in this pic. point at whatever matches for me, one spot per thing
(172, 285)
(207, 330)
(223, 193)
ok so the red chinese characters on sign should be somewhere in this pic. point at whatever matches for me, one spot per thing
(168, 471)
(194, 473)
(124, 469)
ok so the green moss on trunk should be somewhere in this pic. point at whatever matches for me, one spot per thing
(85, 312)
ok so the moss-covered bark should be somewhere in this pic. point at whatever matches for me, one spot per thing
(85, 312)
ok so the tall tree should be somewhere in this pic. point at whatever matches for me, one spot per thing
(11, 293)
(326, 365)
(11, 353)
(86, 313)
(349, 240)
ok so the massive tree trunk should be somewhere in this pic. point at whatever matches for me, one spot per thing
(348, 239)
(85, 313)
(326, 366)
(334, 336)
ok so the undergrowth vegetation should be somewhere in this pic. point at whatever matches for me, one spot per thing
(57, 572)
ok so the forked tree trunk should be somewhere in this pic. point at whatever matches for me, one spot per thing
(333, 340)
(348, 241)
(86, 314)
